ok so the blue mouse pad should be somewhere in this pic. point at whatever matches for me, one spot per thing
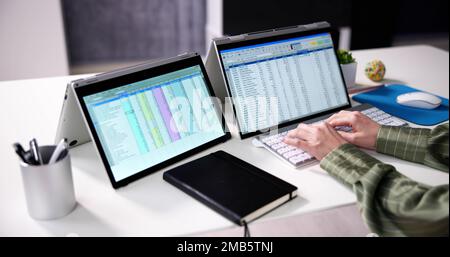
(384, 98)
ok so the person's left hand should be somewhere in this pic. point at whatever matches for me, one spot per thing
(317, 139)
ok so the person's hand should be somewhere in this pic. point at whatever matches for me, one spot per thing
(318, 139)
(364, 130)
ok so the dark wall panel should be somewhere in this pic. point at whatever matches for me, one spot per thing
(117, 30)
(373, 23)
(251, 15)
(418, 16)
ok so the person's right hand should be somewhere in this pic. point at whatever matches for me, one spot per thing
(364, 130)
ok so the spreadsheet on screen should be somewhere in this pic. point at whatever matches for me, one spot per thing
(302, 73)
(147, 122)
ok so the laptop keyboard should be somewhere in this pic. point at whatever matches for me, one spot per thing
(297, 157)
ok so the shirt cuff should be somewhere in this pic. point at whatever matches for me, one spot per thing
(348, 163)
(403, 142)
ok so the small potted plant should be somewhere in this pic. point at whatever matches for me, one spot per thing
(348, 66)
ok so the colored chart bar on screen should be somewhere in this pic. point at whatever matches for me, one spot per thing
(166, 114)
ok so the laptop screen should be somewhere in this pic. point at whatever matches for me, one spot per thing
(278, 81)
(147, 122)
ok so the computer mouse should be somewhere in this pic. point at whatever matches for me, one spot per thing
(419, 100)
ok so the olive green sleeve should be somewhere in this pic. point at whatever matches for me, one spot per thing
(425, 146)
(391, 204)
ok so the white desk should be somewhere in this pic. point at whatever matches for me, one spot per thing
(152, 207)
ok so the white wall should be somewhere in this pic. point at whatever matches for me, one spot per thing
(32, 42)
(214, 20)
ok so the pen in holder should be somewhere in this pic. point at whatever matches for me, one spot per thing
(49, 188)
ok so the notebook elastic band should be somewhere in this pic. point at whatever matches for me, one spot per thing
(246, 230)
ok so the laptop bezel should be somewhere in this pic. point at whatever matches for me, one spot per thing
(270, 36)
(112, 80)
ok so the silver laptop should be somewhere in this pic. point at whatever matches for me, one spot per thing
(144, 118)
(279, 78)
(71, 125)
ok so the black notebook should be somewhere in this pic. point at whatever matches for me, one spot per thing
(234, 188)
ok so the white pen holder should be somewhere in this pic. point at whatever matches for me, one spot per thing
(49, 188)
